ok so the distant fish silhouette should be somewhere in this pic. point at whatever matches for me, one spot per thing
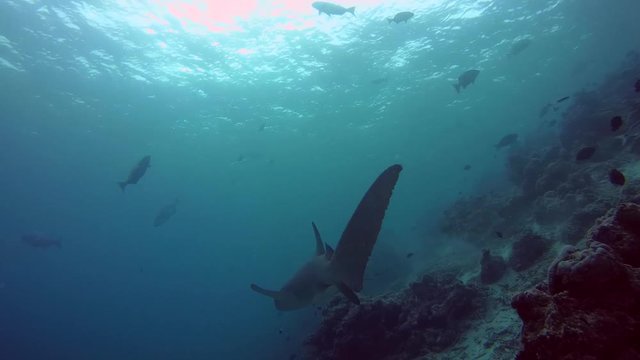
(467, 167)
(40, 240)
(332, 9)
(165, 213)
(507, 140)
(616, 123)
(467, 78)
(409, 255)
(136, 173)
(403, 16)
(499, 234)
(585, 153)
(563, 99)
(616, 177)
(519, 46)
(380, 81)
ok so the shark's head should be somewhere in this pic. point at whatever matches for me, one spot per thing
(344, 267)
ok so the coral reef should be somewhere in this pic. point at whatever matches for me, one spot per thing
(589, 306)
(427, 317)
(527, 250)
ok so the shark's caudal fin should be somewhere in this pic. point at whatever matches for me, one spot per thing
(270, 293)
(352, 10)
(457, 87)
(356, 244)
(122, 184)
(319, 244)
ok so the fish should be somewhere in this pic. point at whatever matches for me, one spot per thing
(545, 110)
(616, 177)
(400, 17)
(343, 268)
(380, 81)
(585, 153)
(409, 255)
(40, 240)
(332, 9)
(519, 46)
(467, 167)
(467, 78)
(616, 123)
(165, 213)
(137, 172)
(506, 140)
(563, 99)
(637, 85)
(499, 234)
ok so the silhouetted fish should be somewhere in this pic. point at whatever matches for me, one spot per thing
(136, 173)
(380, 81)
(563, 99)
(409, 255)
(616, 123)
(616, 177)
(507, 140)
(165, 213)
(585, 153)
(40, 240)
(400, 17)
(467, 167)
(545, 110)
(519, 46)
(499, 234)
(332, 9)
(467, 78)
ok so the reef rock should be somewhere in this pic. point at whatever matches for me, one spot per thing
(527, 250)
(589, 307)
(427, 317)
(492, 267)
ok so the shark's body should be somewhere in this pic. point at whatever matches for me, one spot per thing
(344, 267)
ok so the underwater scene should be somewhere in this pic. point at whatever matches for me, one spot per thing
(292, 179)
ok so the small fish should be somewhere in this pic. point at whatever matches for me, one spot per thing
(40, 240)
(616, 123)
(519, 46)
(280, 331)
(616, 177)
(165, 213)
(400, 17)
(499, 234)
(585, 153)
(637, 85)
(467, 167)
(380, 81)
(332, 9)
(409, 255)
(545, 110)
(137, 172)
(467, 78)
(563, 99)
(507, 140)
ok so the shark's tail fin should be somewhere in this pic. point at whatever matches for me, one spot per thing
(457, 87)
(352, 10)
(270, 293)
(122, 184)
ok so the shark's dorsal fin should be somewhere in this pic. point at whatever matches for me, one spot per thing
(319, 244)
(270, 293)
(356, 244)
(328, 251)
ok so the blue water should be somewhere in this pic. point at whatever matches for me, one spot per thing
(257, 132)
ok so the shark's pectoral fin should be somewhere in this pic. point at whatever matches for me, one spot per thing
(270, 293)
(319, 244)
(346, 291)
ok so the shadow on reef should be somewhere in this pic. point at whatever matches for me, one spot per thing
(589, 306)
(427, 317)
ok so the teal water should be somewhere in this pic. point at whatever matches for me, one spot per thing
(259, 117)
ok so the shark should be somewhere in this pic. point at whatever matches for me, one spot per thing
(343, 267)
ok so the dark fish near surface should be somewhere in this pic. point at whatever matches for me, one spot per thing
(585, 153)
(499, 234)
(400, 17)
(467, 78)
(616, 177)
(137, 172)
(616, 123)
(409, 255)
(507, 140)
(40, 240)
(165, 213)
(563, 99)
(519, 46)
(332, 9)
(467, 167)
